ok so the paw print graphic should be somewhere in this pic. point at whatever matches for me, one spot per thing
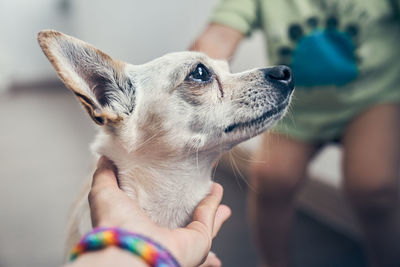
(321, 53)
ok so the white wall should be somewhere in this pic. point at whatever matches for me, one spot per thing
(134, 31)
(20, 20)
(138, 31)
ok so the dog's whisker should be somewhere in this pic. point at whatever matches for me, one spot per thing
(245, 158)
(197, 159)
(241, 175)
(215, 169)
(234, 167)
(141, 145)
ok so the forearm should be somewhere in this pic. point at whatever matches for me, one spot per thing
(218, 41)
(111, 256)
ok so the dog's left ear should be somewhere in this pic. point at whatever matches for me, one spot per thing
(99, 82)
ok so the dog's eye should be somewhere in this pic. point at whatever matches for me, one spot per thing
(200, 74)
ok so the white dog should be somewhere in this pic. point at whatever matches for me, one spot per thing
(165, 123)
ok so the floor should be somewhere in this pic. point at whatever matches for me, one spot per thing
(44, 157)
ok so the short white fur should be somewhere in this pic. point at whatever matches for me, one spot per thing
(163, 131)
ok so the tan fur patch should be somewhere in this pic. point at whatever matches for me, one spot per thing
(191, 94)
(153, 138)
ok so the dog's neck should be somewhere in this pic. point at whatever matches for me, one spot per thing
(169, 187)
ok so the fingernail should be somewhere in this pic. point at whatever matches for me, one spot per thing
(106, 163)
(102, 161)
(213, 188)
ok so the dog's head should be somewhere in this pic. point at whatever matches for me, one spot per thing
(184, 101)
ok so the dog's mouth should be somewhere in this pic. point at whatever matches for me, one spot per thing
(257, 121)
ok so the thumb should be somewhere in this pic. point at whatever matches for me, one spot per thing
(206, 211)
(105, 174)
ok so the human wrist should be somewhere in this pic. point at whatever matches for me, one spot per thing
(218, 41)
(177, 249)
(151, 252)
(109, 256)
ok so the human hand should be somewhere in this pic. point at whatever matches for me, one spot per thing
(111, 207)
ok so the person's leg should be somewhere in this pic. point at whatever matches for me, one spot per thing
(371, 171)
(279, 168)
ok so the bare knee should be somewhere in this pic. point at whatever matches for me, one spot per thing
(275, 182)
(371, 193)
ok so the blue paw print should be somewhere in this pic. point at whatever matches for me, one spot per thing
(325, 56)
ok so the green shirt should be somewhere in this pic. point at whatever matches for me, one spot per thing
(345, 54)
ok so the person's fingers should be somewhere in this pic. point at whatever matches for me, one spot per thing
(204, 216)
(222, 214)
(207, 208)
(211, 261)
(105, 174)
(200, 230)
(104, 182)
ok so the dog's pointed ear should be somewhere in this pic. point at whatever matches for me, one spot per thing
(99, 82)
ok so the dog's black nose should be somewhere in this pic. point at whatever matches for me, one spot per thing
(281, 76)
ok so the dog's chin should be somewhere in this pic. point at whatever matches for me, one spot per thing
(254, 128)
(257, 125)
(267, 123)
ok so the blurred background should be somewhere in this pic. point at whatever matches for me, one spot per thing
(45, 135)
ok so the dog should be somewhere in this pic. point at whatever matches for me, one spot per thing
(165, 123)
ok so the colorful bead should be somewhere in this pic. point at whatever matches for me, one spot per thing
(152, 253)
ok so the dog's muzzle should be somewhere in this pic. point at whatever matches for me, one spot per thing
(280, 78)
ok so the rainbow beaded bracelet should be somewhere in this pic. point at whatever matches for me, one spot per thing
(151, 252)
